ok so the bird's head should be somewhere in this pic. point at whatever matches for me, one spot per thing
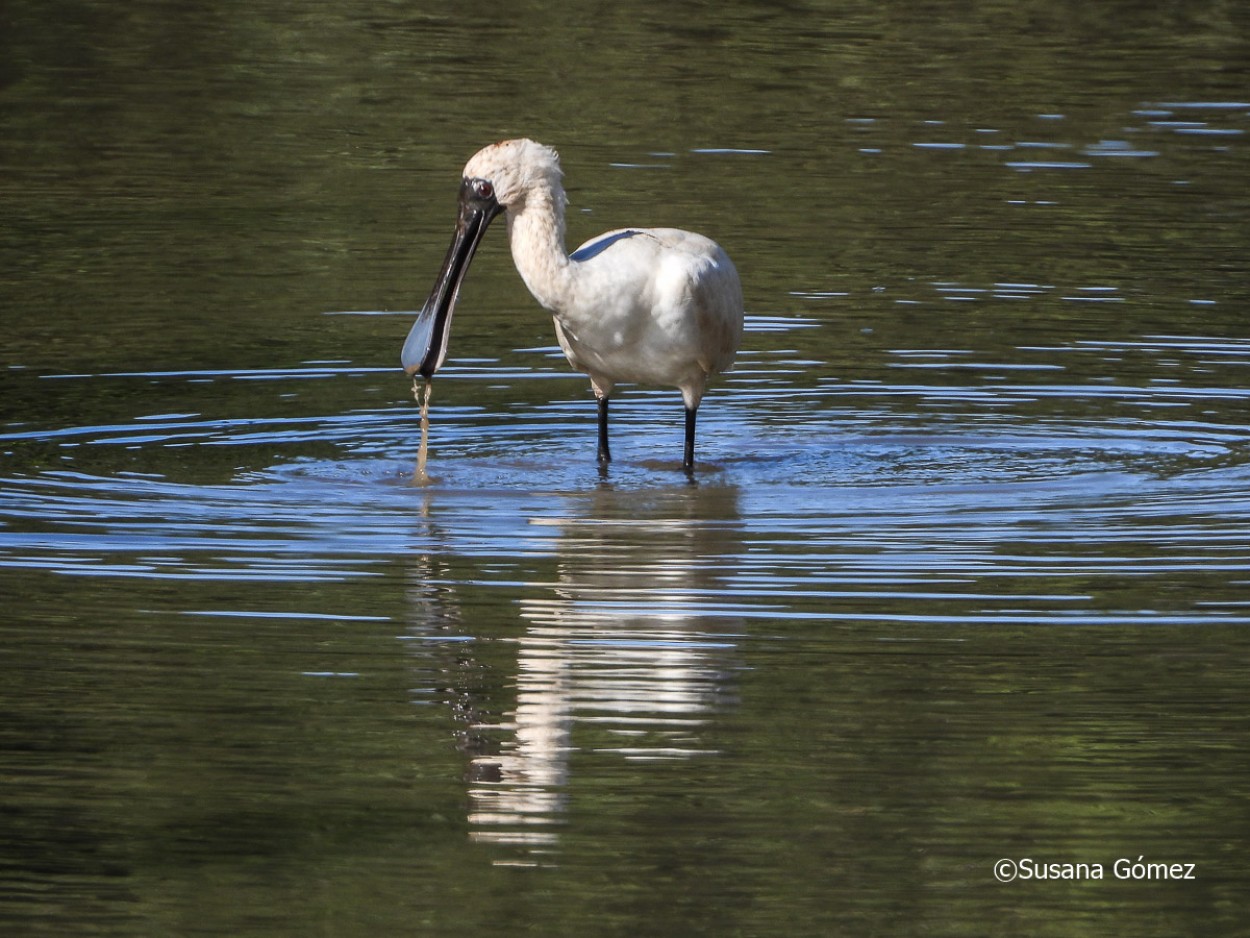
(512, 169)
(499, 177)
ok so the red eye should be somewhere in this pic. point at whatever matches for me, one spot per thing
(483, 189)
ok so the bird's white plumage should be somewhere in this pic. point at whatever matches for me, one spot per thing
(648, 305)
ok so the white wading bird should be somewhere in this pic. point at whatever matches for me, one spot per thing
(648, 305)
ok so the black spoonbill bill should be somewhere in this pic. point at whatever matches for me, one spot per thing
(657, 306)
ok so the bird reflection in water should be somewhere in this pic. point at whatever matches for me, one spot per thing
(625, 650)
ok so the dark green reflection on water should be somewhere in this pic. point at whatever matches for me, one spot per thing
(964, 578)
(199, 774)
(212, 179)
(188, 779)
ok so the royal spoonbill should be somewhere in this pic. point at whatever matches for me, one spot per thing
(656, 306)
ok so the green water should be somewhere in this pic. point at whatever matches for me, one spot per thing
(963, 575)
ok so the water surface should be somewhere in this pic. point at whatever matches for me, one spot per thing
(962, 575)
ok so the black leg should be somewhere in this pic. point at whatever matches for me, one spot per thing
(688, 462)
(605, 455)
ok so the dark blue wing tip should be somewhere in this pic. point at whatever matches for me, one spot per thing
(598, 246)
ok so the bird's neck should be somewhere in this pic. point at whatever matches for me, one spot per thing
(536, 234)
